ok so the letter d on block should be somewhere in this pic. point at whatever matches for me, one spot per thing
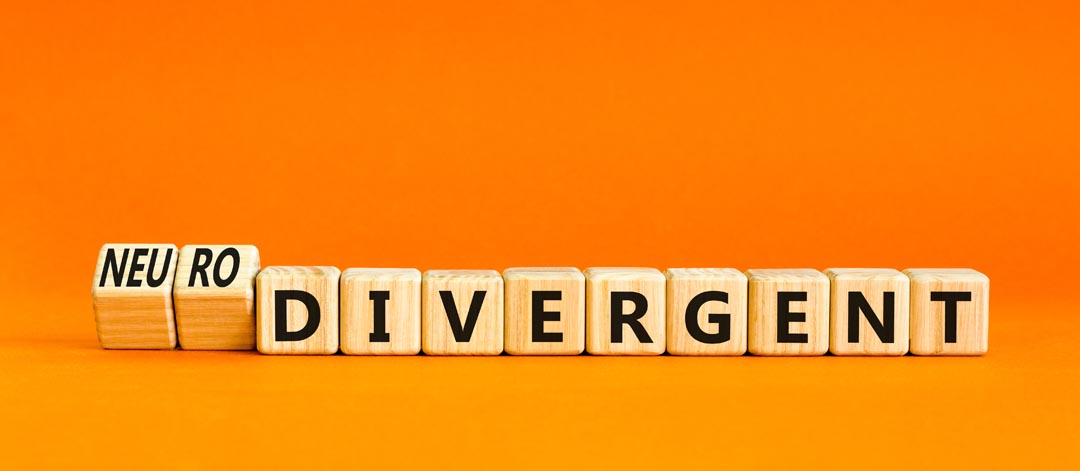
(298, 310)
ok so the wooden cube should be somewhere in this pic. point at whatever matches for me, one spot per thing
(869, 313)
(214, 294)
(297, 312)
(380, 311)
(545, 311)
(462, 312)
(788, 312)
(950, 311)
(624, 311)
(132, 296)
(706, 311)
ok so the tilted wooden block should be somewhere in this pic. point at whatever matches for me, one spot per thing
(297, 312)
(788, 312)
(462, 312)
(706, 311)
(380, 311)
(950, 311)
(869, 313)
(132, 295)
(625, 311)
(545, 311)
(214, 294)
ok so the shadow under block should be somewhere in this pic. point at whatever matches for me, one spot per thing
(624, 311)
(462, 312)
(297, 312)
(788, 312)
(380, 311)
(132, 296)
(545, 311)
(706, 311)
(214, 294)
(950, 311)
(869, 311)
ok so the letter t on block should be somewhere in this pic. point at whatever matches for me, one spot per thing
(950, 311)
(297, 312)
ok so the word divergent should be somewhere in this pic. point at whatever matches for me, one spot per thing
(217, 297)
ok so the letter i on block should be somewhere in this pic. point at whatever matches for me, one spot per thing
(706, 311)
(214, 294)
(133, 302)
(869, 313)
(950, 311)
(625, 311)
(297, 312)
(545, 311)
(380, 311)
(788, 312)
(462, 312)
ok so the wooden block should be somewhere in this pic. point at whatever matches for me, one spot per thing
(380, 311)
(869, 313)
(625, 311)
(132, 295)
(706, 311)
(545, 311)
(462, 312)
(297, 312)
(214, 293)
(788, 312)
(950, 311)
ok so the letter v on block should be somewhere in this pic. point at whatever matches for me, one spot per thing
(443, 329)
(462, 332)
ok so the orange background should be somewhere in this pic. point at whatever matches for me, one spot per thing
(498, 134)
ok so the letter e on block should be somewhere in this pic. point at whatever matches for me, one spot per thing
(545, 311)
(297, 312)
(788, 312)
(132, 294)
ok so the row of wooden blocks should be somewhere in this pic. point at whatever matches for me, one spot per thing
(217, 297)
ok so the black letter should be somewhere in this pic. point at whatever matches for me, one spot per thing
(950, 298)
(136, 267)
(281, 320)
(539, 316)
(784, 317)
(150, 281)
(378, 316)
(462, 333)
(229, 252)
(641, 306)
(723, 320)
(117, 270)
(199, 267)
(883, 329)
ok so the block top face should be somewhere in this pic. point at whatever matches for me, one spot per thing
(381, 274)
(703, 273)
(864, 274)
(436, 275)
(242, 258)
(627, 273)
(117, 274)
(543, 273)
(786, 274)
(299, 272)
(944, 274)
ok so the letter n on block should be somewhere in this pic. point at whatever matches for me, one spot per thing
(625, 311)
(462, 312)
(706, 311)
(133, 298)
(869, 313)
(788, 312)
(297, 312)
(950, 311)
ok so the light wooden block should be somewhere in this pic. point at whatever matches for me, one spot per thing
(214, 294)
(706, 311)
(864, 302)
(380, 311)
(950, 311)
(545, 311)
(462, 312)
(625, 311)
(788, 312)
(305, 301)
(132, 296)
